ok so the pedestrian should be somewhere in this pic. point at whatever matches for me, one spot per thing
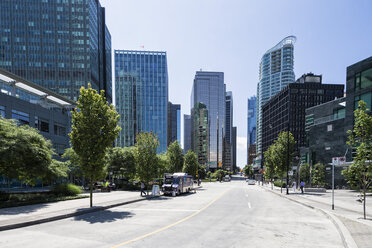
(294, 187)
(302, 185)
(142, 188)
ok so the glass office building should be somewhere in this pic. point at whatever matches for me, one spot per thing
(209, 88)
(276, 71)
(60, 45)
(251, 129)
(141, 82)
(186, 133)
(174, 123)
(228, 125)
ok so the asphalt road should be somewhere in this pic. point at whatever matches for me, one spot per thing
(229, 214)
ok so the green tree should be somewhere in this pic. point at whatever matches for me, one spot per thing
(147, 164)
(318, 174)
(191, 163)
(202, 171)
(271, 161)
(73, 163)
(360, 172)
(24, 153)
(121, 162)
(305, 173)
(162, 164)
(283, 152)
(94, 129)
(248, 170)
(175, 157)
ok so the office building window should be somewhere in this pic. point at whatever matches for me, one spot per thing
(23, 118)
(2, 111)
(59, 130)
(363, 80)
(339, 113)
(367, 98)
(329, 128)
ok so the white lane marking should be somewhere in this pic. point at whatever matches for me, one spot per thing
(160, 209)
(249, 205)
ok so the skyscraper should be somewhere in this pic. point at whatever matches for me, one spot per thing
(174, 123)
(276, 72)
(209, 88)
(60, 45)
(186, 133)
(228, 124)
(200, 132)
(234, 149)
(141, 80)
(251, 129)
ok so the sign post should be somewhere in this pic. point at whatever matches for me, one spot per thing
(335, 161)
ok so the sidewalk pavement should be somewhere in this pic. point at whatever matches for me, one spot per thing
(16, 217)
(347, 215)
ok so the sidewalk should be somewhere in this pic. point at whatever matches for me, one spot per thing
(348, 212)
(16, 217)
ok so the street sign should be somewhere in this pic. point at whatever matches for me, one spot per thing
(338, 161)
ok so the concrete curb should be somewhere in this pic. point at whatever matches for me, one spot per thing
(345, 235)
(69, 215)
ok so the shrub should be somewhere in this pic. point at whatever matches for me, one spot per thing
(66, 189)
(4, 196)
(278, 184)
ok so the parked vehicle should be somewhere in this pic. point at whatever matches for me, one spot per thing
(177, 183)
(251, 182)
(227, 178)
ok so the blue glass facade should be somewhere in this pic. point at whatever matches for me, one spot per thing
(209, 88)
(276, 71)
(252, 118)
(58, 44)
(141, 81)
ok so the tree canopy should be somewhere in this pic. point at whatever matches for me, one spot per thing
(94, 129)
(191, 163)
(359, 174)
(145, 155)
(175, 157)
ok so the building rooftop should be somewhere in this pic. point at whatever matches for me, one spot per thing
(33, 89)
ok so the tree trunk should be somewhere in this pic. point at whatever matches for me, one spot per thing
(272, 186)
(91, 192)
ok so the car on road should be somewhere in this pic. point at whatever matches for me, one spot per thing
(227, 178)
(251, 182)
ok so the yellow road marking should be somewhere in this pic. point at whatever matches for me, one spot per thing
(170, 225)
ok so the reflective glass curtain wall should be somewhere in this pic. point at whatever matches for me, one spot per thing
(141, 81)
(209, 88)
(58, 44)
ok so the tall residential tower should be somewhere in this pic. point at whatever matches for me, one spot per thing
(276, 72)
(141, 80)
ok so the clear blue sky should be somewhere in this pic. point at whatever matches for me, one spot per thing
(232, 35)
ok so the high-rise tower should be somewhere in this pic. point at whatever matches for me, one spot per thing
(276, 72)
(209, 89)
(60, 45)
(141, 80)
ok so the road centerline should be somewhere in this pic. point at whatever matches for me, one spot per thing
(171, 225)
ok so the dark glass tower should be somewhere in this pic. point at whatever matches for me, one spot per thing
(174, 123)
(141, 80)
(58, 44)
